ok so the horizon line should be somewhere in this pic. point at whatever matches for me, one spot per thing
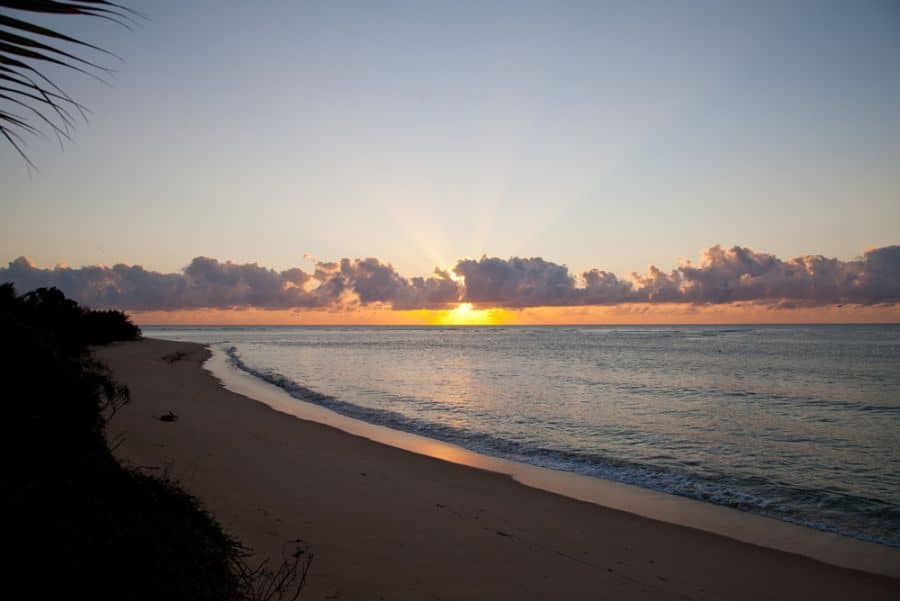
(519, 325)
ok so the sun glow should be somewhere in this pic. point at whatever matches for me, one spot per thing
(466, 315)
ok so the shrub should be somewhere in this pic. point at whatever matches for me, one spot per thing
(82, 525)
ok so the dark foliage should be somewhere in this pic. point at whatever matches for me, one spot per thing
(80, 525)
(58, 395)
(30, 103)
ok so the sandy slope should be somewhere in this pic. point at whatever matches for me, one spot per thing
(384, 523)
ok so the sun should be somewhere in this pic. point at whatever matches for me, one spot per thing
(463, 310)
(466, 315)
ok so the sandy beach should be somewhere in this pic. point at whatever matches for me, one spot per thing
(384, 523)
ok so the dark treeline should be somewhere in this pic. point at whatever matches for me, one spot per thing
(57, 396)
(80, 524)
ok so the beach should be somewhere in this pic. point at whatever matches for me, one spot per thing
(385, 523)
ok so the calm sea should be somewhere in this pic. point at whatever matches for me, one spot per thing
(800, 423)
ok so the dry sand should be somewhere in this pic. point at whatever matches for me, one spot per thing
(384, 523)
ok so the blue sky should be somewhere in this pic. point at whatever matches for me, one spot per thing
(610, 135)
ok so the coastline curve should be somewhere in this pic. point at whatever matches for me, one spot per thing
(742, 526)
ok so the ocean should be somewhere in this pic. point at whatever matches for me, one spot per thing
(798, 423)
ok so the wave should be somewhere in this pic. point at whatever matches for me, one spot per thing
(820, 509)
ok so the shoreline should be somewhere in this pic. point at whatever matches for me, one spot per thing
(772, 533)
(385, 521)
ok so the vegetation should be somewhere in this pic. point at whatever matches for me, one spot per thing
(29, 100)
(81, 524)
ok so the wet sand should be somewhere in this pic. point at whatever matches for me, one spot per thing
(385, 523)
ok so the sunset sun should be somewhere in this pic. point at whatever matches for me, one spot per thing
(466, 315)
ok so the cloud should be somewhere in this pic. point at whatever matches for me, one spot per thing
(740, 274)
(723, 276)
(515, 282)
(207, 283)
(204, 283)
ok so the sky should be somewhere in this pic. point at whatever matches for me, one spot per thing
(606, 136)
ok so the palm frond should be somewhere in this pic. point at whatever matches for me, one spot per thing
(28, 97)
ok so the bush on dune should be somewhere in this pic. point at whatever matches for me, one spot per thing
(80, 523)
(58, 396)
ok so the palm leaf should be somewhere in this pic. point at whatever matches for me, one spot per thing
(27, 48)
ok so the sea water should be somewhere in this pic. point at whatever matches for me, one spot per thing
(799, 423)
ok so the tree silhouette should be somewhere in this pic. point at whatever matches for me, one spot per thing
(30, 103)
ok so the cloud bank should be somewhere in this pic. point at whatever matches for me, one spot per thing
(723, 276)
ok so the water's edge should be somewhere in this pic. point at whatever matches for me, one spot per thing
(580, 463)
(746, 527)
